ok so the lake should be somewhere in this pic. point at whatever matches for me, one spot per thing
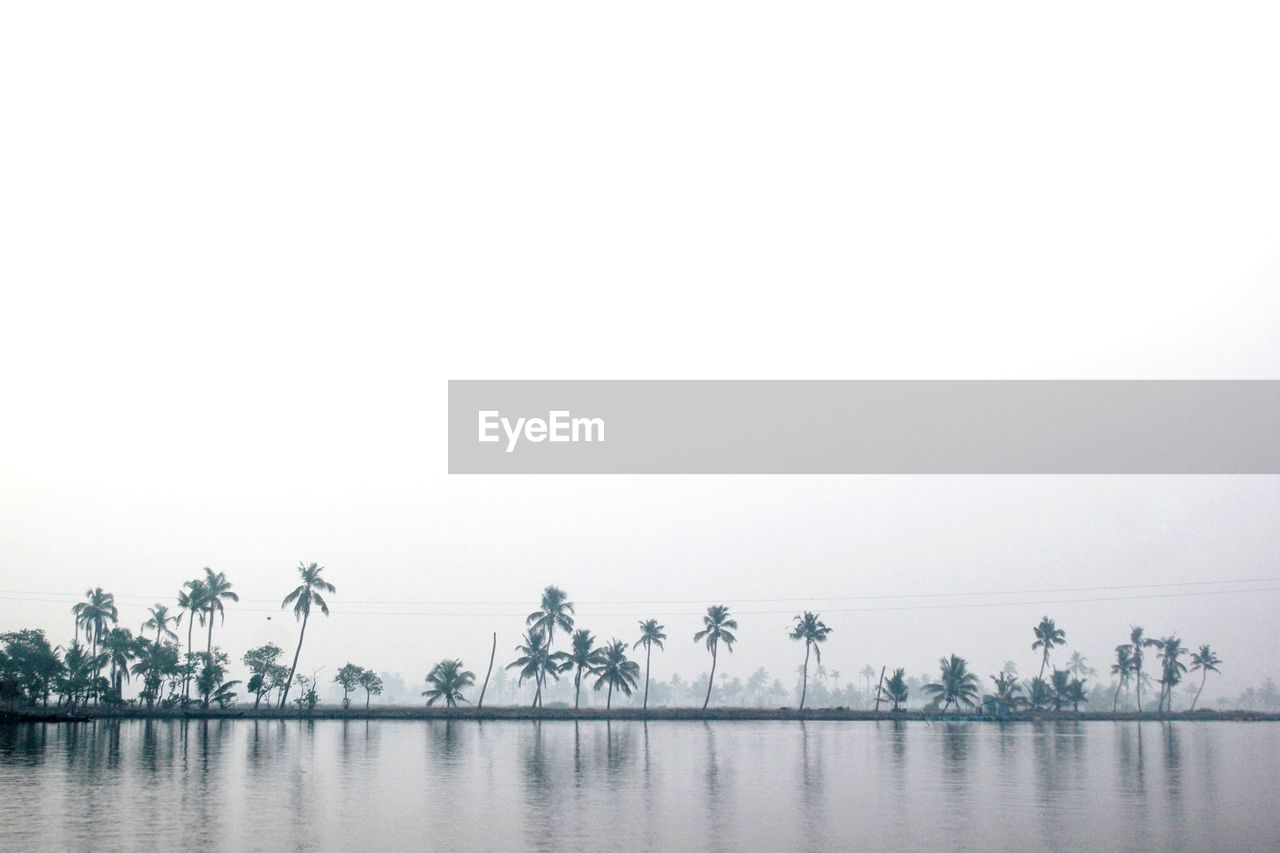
(734, 786)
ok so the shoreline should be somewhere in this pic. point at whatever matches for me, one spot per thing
(624, 714)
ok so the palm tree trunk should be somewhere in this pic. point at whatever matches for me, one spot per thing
(209, 648)
(1115, 703)
(577, 687)
(186, 676)
(1137, 686)
(804, 684)
(608, 702)
(485, 686)
(648, 652)
(1044, 661)
(712, 679)
(1203, 677)
(285, 695)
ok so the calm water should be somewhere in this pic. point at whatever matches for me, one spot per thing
(662, 786)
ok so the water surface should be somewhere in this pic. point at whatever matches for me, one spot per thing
(734, 786)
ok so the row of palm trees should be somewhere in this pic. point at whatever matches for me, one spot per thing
(204, 600)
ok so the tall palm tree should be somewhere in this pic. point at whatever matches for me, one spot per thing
(584, 657)
(956, 684)
(1123, 670)
(310, 591)
(535, 662)
(812, 630)
(216, 590)
(717, 628)
(191, 600)
(1048, 635)
(96, 613)
(554, 611)
(161, 620)
(1206, 662)
(120, 647)
(446, 681)
(616, 671)
(1171, 669)
(650, 635)
(1138, 642)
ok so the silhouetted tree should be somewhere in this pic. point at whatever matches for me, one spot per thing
(717, 628)
(1204, 661)
(616, 671)
(309, 592)
(584, 656)
(955, 684)
(650, 635)
(813, 632)
(446, 681)
(1047, 635)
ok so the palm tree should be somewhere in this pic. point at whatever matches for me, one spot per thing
(309, 592)
(120, 648)
(717, 628)
(1123, 670)
(554, 611)
(1078, 665)
(1076, 693)
(584, 657)
(812, 630)
(896, 688)
(191, 599)
(1048, 635)
(868, 672)
(216, 589)
(1039, 693)
(1059, 686)
(1006, 698)
(616, 671)
(96, 613)
(1171, 668)
(1206, 662)
(955, 684)
(535, 662)
(446, 681)
(1137, 642)
(160, 620)
(650, 635)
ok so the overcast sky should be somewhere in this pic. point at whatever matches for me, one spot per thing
(239, 263)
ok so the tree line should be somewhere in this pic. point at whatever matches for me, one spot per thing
(93, 670)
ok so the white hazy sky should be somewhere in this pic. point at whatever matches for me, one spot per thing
(243, 247)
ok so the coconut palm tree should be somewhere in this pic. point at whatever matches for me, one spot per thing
(310, 591)
(1048, 635)
(96, 613)
(161, 620)
(812, 630)
(1076, 693)
(216, 590)
(554, 611)
(896, 688)
(717, 628)
(1123, 670)
(1171, 669)
(191, 600)
(584, 657)
(1205, 661)
(446, 681)
(955, 684)
(1006, 699)
(650, 635)
(1138, 642)
(1059, 687)
(616, 671)
(868, 672)
(120, 648)
(1039, 693)
(1078, 665)
(535, 662)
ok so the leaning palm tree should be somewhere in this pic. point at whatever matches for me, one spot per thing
(535, 663)
(955, 684)
(309, 592)
(584, 657)
(650, 635)
(554, 611)
(1123, 670)
(1048, 635)
(717, 628)
(813, 631)
(216, 589)
(161, 620)
(446, 681)
(1137, 642)
(1206, 662)
(616, 671)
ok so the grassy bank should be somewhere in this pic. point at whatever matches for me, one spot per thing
(656, 714)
